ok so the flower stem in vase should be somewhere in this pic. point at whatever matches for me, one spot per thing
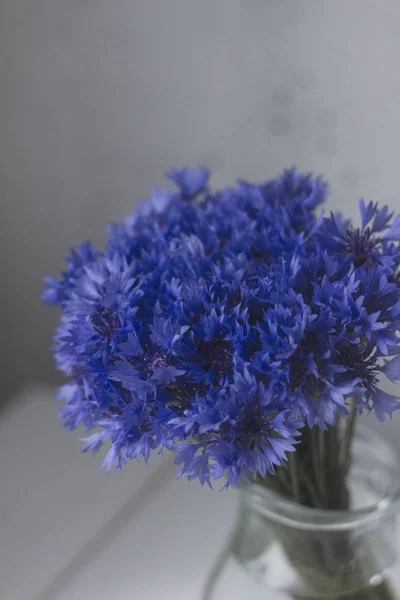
(333, 565)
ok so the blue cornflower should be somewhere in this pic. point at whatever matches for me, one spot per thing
(190, 182)
(368, 245)
(56, 291)
(220, 324)
(363, 362)
(244, 433)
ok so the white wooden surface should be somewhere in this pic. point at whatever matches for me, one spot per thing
(166, 553)
(69, 531)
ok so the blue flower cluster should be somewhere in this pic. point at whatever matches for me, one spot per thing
(218, 325)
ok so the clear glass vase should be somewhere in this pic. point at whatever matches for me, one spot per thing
(280, 550)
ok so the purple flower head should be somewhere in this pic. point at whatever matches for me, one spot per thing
(372, 244)
(56, 291)
(190, 182)
(219, 324)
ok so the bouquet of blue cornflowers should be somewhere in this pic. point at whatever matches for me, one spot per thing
(235, 328)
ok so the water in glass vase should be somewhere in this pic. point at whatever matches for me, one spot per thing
(281, 550)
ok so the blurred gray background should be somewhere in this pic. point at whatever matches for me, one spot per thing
(99, 98)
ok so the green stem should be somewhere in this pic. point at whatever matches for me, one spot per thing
(317, 461)
(312, 492)
(284, 480)
(336, 497)
(317, 477)
(294, 477)
(349, 434)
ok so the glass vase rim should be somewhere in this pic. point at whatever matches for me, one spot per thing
(275, 507)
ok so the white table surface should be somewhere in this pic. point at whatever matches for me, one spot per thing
(69, 531)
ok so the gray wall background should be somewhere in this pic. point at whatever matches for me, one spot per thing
(100, 97)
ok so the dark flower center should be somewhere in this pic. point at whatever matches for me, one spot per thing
(301, 377)
(300, 374)
(217, 355)
(360, 246)
(154, 359)
(254, 426)
(256, 312)
(183, 393)
(105, 322)
(361, 363)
